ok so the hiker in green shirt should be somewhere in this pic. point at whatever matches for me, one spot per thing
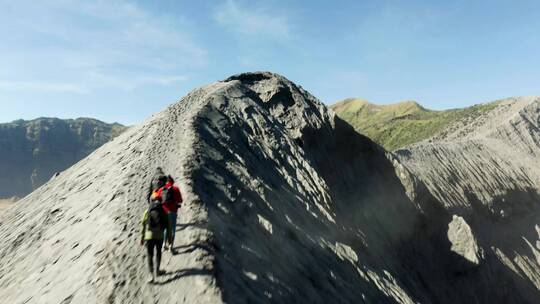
(153, 225)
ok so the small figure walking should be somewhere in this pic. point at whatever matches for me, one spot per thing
(171, 197)
(154, 222)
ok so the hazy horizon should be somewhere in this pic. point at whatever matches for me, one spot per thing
(121, 61)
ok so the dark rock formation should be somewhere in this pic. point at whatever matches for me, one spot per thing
(31, 152)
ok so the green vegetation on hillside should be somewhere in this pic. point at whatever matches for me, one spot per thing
(397, 125)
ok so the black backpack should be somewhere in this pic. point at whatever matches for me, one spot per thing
(158, 181)
(156, 217)
(167, 194)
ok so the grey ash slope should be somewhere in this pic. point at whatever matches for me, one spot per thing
(284, 203)
(75, 239)
(484, 158)
(296, 220)
(488, 172)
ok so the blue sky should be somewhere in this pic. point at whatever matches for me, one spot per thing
(124, 60)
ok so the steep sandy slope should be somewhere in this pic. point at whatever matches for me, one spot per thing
(284, 203)
(303, 208)
(75, 239)
(487, 157)
(487, 171)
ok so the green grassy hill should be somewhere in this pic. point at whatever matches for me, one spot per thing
(397, 125)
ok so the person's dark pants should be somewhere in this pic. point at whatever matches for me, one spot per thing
(150, 246)
(173, 216)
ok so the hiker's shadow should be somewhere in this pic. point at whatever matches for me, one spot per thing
(184, 273)
(191, 248)
(176, 275)
(183, 226)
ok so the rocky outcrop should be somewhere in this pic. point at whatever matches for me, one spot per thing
(463, 241)
(32, 151)
(284, 203)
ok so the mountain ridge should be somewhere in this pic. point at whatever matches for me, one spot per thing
(284, 202)
(248, 157)
(41, 118)
(485, 170)
(397, 125)
(33, 150)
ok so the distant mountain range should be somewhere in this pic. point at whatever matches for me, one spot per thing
(397, 125)
(32, 151)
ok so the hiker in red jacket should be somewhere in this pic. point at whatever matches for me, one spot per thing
(172, 200)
